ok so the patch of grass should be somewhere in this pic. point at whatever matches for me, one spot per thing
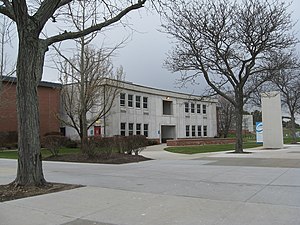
(13, 154)
(208, 148)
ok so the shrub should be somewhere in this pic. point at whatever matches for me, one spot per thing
(54, 142)
(98, 145)
(131, 144)
(8, 137)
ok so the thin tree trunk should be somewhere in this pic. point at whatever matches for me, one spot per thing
(293, 128)
(29, 71)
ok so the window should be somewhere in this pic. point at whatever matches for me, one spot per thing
(130, 100)
(138, 101)
(198, 108)
(145, 102)
(146, 126)
(130, 129)
(122, 99)
(123, 129)
(199, 131)
(204, 109)
(193, 131)
(167, 108)
(138, 129)
(204, 131)
(186, 107)
(187, 130)
(192, 108)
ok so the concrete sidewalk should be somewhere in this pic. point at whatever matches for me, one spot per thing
(262, 188)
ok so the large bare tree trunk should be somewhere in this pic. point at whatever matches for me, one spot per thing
(293, 128)
(29, 72)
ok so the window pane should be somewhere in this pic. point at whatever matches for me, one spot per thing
(146, 126)
(192, 108)
(186, 107)
(204, 109)
(138, 101)
(122, 99)
(198, 108)
(187, 130)
(130, 100)
(145, 102)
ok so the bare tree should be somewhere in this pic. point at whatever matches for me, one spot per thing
(225, 116)
(31, 18)
(227, 42)
(88, 91)
(285, 78)
(90, 84)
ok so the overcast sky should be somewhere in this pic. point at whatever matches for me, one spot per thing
(144, 53)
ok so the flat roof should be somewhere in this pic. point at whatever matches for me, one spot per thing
(41, 84)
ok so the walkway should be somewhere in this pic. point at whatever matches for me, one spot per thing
(262, 188)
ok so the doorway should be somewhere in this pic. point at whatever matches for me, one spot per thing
(168, 132)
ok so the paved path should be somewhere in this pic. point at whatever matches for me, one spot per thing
(262, 188)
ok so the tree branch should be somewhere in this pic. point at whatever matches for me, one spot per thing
(97, 27)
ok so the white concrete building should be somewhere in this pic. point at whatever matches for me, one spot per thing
(157, 114)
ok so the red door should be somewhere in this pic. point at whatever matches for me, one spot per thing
(97, 131)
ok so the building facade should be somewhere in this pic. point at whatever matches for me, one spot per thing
(157, 114)
(49, 106)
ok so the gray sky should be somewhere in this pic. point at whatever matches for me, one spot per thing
(143, 55)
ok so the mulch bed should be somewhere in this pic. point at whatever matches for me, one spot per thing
(10, 192)
(116, 158)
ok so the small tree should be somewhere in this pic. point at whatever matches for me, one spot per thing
(225, 116)
(227, 42)
(88, 92)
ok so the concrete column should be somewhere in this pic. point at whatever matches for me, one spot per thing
(272, 120)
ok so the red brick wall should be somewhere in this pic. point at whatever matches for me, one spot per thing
(200, 141)
(49, 104)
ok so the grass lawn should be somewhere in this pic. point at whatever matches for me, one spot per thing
(13, 154)
(208, 148)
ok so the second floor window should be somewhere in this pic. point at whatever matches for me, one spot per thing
(145, 102)
(192, 108)
(122, 99)
(130, 100)
(138, 101)
(186, 107)
(204, 109)
(198, 108)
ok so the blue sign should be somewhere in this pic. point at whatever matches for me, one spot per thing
(259, 132)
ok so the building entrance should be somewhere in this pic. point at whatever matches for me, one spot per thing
(168, 132)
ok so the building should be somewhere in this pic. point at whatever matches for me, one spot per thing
(157, 114)
(49, 106)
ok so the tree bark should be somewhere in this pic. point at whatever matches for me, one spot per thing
(293, 128)
(29, 72)
(239, 123)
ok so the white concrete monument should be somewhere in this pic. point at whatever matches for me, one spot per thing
(272, 120)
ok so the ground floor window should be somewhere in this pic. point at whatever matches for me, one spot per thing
(193, 131)
(146, 128)
(187, 130)
(138, 129)
(204, 131)
(123, 129)
(130, 129)
(199, 131)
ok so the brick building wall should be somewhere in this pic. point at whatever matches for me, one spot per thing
(49, 106)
